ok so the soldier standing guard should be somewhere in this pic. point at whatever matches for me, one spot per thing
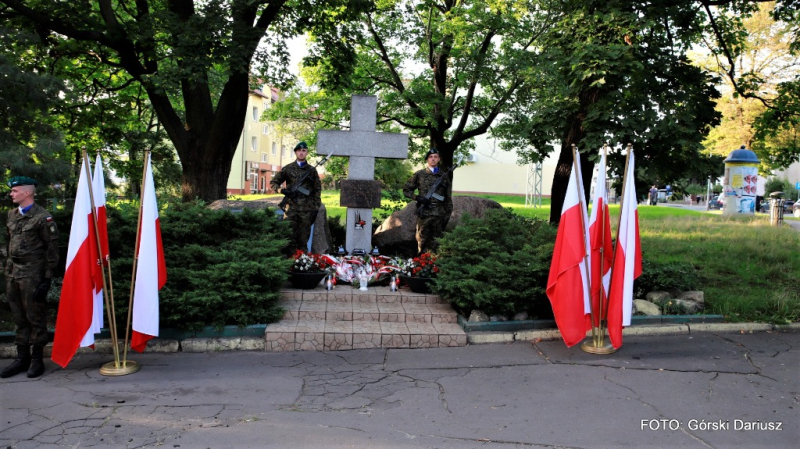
(436, 207)
(302, 209)
(32, 259)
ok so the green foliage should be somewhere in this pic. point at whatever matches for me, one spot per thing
(658, 276)
(31, 146)
(222, 268)
(775, 184)
(498, 264)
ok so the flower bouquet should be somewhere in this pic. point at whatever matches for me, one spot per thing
(309, 269)
(417, 272)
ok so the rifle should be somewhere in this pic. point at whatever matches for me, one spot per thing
(297, 187)
(432, 191)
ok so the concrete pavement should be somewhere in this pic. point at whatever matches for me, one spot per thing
(703, 390)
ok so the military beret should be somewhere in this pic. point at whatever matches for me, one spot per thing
(22, 181)
(300, 145)
(430, 152)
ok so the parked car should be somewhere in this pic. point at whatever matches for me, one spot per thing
(788, 207)
(714, 203)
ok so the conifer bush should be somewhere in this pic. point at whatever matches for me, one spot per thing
(223, 268)
(498, 264)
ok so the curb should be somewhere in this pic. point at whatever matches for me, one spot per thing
(477, 338)
(249, 343)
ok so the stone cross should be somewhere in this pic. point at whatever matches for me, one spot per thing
(360, 193)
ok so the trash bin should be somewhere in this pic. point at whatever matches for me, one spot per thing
(776, 203)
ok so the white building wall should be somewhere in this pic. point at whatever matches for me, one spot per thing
(496, 171)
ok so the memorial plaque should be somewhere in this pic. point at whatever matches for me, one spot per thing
(360, 193)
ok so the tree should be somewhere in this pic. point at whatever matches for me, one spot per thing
(762, 63)
(178, 51)
(444, 71)
(616, 71)
(31, 145)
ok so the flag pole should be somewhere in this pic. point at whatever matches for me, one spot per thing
(598, 344)
(136, 257)
(602, 259)
(111, 327)
(581, 200)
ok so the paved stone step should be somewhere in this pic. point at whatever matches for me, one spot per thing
(348, 318)
(318, 335)
(346, 293)
(389, 312)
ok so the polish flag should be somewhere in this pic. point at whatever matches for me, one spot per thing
(567, 285)
(75, 309)
(99, 196)
(600, 238)
(627, 261)
(151, 270)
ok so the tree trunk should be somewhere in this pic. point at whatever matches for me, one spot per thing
(573, 135)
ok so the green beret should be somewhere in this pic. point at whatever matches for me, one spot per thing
(22, 181)
(300, 145)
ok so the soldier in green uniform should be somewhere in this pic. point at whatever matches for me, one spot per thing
(436, 209)
(32, 259)
(301, 210)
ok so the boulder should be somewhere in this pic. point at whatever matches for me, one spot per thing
(646, 307)
(657, 296)
(498, 318)
(322, 242)
(521, 316)
(396, 235)
(692, 301)
(477, 316)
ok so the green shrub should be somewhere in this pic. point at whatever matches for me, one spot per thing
(223, 268)
(665, 276)
(498, 264)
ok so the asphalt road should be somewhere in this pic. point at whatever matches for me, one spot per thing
(699, 390)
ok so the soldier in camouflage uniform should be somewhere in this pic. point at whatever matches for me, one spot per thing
(32, 259)
(301, 210)
(435, 212)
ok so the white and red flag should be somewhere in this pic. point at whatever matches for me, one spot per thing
(99, 196)
(602, 252)
(627, 259)
(151, 270)
(75, 307)
(567, 285)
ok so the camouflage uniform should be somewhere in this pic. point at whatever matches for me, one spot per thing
(301, 211)
(32, 257)
(433, 219)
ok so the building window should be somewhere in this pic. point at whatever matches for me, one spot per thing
(265, 130)
(263, 157)
(253, 144)
(283, 150)
(274, 145)
(255, 113)
(266, 104)
(253, 179)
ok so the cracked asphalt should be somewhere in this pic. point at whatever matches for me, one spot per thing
(689, 391)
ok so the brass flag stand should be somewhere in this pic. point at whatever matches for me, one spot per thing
(598, 343)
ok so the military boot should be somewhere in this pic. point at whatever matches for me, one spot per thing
(21, 364)
(37, 364)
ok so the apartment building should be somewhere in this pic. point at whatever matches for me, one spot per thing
(261, 151)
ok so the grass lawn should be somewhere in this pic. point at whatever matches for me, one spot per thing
(749, 270)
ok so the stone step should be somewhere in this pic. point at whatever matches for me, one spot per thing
(387, 312)
(347, 318)
(346, 293)
(318, 335)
